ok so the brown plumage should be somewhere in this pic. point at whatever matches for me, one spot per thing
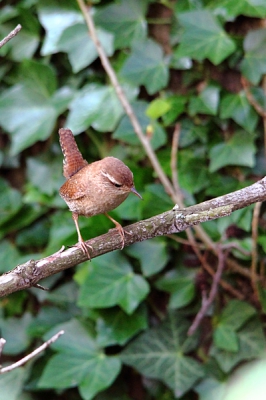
(95, 188)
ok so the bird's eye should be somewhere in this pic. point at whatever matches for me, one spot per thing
(117, 185)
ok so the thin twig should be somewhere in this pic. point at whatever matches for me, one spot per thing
(10, 35)
(125, 103)
(254, 259)
(174, 166)
(207, 301)
(31, 355)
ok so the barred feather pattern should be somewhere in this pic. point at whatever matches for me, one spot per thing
(73, 160)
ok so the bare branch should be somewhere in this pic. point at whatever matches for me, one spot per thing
(173, 221)
(31, 355)
(10, 35)
(207, 301)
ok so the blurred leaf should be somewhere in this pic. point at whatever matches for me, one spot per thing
(85, 365)
(77, 43)
(26, 42)
(26, 109)
(230, 8)
(180, 283)
(13, 391)
(96, 106)
(126, 20)
(14, 331)
(152, 255)
(192, 172)
(9, 256)
(158, 108)
(225, 338)
(160, 353)
(251, 341)
(177, 107)
(45, 169)
(239, 150)
(206, 103)
(203, 37)
(155, 201)
(146, 65)
(209, 388)
(111, 281)
(116, 327)
(237, 107)
(253, 65)
(126, 133)
(55, 18)
(10, 201)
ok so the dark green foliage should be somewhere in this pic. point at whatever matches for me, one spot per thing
(126, 314)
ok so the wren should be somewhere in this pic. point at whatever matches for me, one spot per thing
(95, 188)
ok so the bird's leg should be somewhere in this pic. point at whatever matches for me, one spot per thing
(81, 243)
(119, 228)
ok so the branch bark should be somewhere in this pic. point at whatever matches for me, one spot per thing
(173, 221)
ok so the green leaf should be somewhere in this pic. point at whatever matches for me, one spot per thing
(239, 150)
(177, 107)
(251, 341)
(237, 107)
(85, 365)
(160, 353)
(253, 65)
(116, 327)
(14, 331)
(126, 133)
(9, 256)
(10, 390)
(26, 42)
(111, 281)
(152, 255)
(96, 106)
(55, 18)
(155, 201)
(26, 109)
(158, 108)
(10, 201)
(230, 8)
(126, 20)
(209, 389)
(192, 173)
(146, 66)
(77, 43)
(225, 338)
(206, 103)
(203, 37)
(180, 284)
(236, 314)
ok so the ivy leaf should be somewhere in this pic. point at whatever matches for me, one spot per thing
(181, 286)
(229, 153)
(116, 327)
(146, 66)
(251, 340)
(254, 64)
(160, 353)
(85, 365)
(55, 18)
(237, 107)
(206, 103)
(126, 20)
(152, 255)
(26, 109)
(11, 391)
(203, 37)
(229, 8)
(96, 106)
(77, 43)
(126, 133)
(111, 281)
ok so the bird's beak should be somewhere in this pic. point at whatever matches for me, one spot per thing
(133, 190)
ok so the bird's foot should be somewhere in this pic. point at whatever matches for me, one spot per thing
(85, 248)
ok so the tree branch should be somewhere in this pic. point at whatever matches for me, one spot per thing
(31, 355)
(173, 221)
(10, 35)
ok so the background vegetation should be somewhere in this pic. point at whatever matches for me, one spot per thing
(126, 314)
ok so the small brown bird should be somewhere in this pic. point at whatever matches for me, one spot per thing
(94, 188)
